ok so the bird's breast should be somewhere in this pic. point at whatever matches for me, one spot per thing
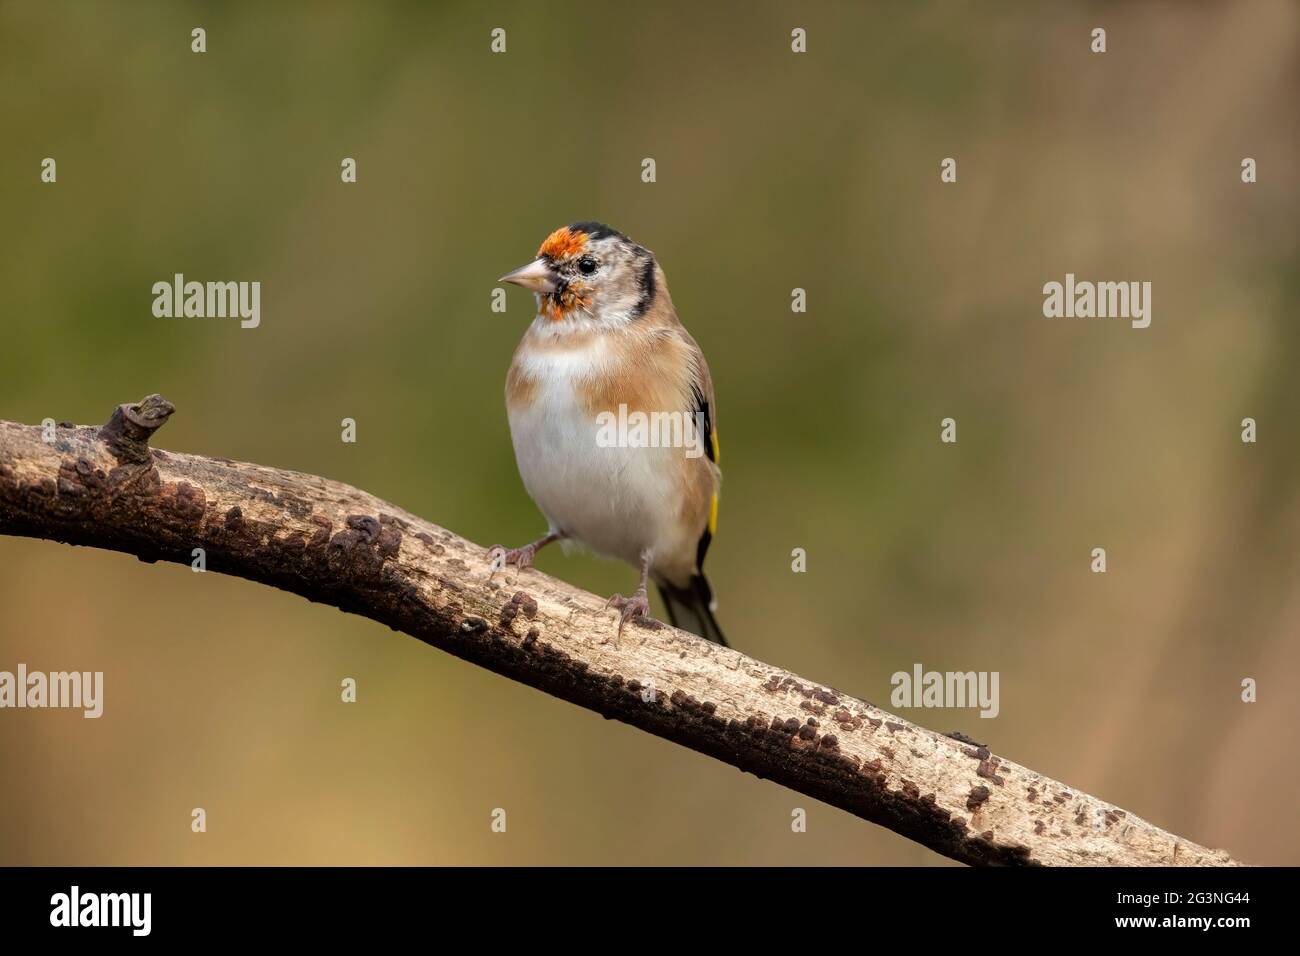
(613, 498)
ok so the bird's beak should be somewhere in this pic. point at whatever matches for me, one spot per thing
(537, 276)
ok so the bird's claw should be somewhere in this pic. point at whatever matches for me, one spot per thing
(637, 606)
(500, 556)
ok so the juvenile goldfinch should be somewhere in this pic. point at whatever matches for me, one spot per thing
(605, 345)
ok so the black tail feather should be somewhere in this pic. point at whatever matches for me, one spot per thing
(690, 608)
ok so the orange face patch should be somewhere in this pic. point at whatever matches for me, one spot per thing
(557, 307)
(563, 243)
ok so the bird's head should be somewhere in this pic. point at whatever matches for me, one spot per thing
(589, 273)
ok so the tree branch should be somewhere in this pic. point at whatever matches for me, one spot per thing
(106, 488)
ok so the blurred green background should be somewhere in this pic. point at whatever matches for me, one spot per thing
(775, 171)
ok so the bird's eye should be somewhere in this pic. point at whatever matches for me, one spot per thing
(586, 265)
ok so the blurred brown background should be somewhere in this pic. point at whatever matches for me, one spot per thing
(775, 170)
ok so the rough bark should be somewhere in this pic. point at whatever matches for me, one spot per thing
(106, 487)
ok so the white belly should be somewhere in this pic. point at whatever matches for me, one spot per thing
(618, 502)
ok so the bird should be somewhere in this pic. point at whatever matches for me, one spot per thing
(614, 422)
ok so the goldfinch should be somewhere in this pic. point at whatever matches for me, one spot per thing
(613, 421)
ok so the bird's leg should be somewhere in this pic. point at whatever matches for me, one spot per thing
(521, 558)
(638, 604)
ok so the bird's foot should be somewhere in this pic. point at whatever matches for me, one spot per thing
(500, 556)
(635, 607)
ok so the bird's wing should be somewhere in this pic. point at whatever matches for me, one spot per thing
(702, 401)
(704, 405)
(662, 319)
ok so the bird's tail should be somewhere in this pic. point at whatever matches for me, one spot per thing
(691, 608)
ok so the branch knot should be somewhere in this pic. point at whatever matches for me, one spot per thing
(127, 433)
